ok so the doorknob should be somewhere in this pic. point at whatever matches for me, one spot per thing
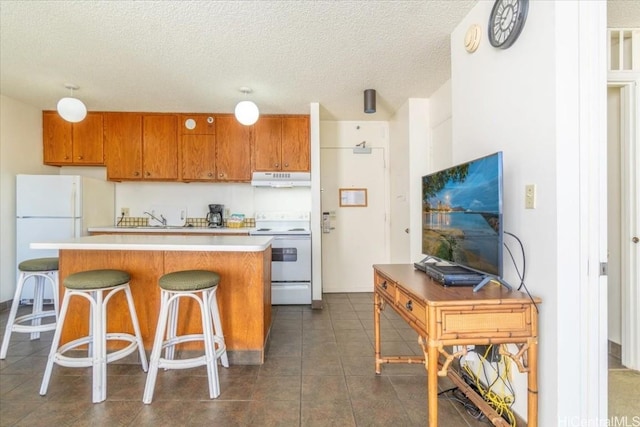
(635, 239)
(406, 230)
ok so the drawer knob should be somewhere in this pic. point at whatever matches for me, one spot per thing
(409, 305)
(384, 285)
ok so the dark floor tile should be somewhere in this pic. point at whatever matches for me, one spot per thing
(346, 315)
(165, 413)
(111, 413)
(223, 413)
(322, 366)
(315, 350)
(358, 365)
(55, 414)
(381, 413)
(324, 387)
(273, 413)
(327, 413)
(370, 387)
(281, 366)
(346, 324)
(352, 335)
(277, 388)
(352, 349)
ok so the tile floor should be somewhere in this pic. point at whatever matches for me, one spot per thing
(319, 371)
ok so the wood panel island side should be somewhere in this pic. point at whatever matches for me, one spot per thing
(244, 292)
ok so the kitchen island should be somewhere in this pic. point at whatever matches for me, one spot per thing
(244, 292)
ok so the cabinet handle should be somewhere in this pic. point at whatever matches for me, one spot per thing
(221, 175)
(409, 305)
(384, 285)
(66, 157)
(209, 174)
(286, 165)
(277, 165)
(79, 157)
(148, 173)
(136, 173)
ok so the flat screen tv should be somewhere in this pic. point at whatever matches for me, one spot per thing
(462, 215)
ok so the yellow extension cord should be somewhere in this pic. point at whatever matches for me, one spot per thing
(500, 402)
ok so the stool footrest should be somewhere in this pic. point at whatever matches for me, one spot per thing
(183, 363)
(84, 362)
(34, 328)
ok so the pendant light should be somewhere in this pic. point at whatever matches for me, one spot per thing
(370, 101)
(72, 109)
(247, 112)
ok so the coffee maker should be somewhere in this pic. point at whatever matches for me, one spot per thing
(214, 217)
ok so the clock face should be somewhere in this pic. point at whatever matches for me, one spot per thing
(506, 22)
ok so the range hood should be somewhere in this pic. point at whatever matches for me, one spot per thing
(281, 179)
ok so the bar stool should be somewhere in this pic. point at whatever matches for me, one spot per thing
(201, 286)
(43, 271)
(97, 287)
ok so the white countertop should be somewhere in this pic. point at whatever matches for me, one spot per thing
(119, 242)
(169, 230)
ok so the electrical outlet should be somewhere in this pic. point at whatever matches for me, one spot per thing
(124, 211)
(530, 196)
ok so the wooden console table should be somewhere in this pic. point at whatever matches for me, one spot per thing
(457, 316)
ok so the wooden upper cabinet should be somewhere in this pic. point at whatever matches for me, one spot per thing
(198, 147)
(282, 144)
(160, 147)
(197, 124)
(123, 146)
(66, 143)
(233, 149)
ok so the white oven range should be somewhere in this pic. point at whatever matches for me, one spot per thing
(290, 255)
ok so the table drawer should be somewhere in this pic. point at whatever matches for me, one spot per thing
(503, 321)
(412, 308)
(386, 287)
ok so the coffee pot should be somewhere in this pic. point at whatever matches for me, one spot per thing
(214, 217)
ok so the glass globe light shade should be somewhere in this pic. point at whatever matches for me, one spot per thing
(247, 112)
(72, 109)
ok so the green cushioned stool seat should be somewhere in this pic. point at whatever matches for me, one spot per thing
(96, 279)
(189, 280)
(39, 264)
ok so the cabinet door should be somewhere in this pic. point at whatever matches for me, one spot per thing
(88, 146)
(123, 146)
(57, 139)
(295, 144)
(202, 124)
(160, 147)
(268, 144)
(198, 157)
(233, 149)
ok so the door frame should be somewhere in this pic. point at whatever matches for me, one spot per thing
(630, 163)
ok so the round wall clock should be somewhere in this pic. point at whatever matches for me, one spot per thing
(506, 22)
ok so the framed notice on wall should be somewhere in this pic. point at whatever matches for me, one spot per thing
(353, 197)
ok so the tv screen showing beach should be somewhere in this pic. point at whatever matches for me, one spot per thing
(462, 214)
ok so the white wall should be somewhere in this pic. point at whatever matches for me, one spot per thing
(503, 101)
(237, 197)
(20, 152)
(440, 122)
(525, 102)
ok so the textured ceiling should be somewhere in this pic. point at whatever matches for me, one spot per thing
(193, 56)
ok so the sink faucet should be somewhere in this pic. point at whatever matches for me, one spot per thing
(162, 220)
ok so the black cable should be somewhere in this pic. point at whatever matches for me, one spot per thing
(524, 266)
(120, 220)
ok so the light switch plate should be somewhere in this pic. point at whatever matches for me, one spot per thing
(530, 196)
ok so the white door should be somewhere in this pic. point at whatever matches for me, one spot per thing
(356, 237)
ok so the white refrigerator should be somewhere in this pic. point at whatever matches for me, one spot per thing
(54, 207)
